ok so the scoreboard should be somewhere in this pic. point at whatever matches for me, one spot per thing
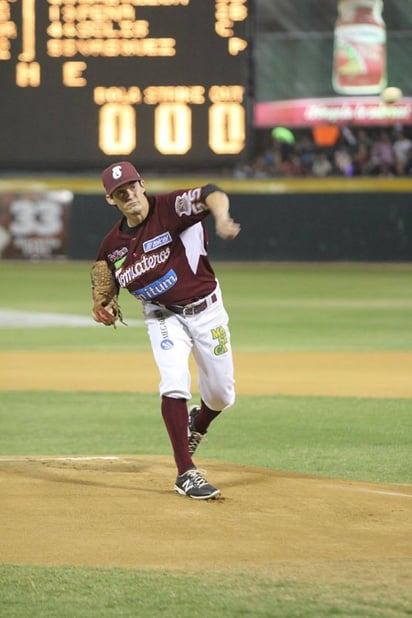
(163, 83)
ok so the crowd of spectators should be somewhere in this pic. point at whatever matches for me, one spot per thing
(380, 152)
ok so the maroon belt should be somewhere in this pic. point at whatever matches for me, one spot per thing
(194, 308)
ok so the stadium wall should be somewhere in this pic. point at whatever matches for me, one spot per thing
(332, 219)
(328, 220)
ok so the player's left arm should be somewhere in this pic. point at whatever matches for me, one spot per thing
(105, 291)
(217, 202)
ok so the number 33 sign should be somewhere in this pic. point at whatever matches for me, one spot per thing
(34, 226)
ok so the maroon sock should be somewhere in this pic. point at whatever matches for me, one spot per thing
(205, 417)
(174, 412)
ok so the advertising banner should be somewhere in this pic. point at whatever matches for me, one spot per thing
(332, 62)
(34, 225)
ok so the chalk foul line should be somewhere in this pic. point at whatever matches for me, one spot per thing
(16, 318)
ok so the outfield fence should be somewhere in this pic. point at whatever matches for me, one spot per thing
(333, 219)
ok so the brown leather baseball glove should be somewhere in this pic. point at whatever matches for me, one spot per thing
(105, 291)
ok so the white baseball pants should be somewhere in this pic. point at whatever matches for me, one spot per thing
(174, 337)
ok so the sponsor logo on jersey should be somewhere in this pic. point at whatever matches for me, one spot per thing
(189, 203)
(116, 255)
(160, 286)
(167, 344)
(157, 241)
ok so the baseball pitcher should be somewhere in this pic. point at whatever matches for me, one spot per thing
(158, 252)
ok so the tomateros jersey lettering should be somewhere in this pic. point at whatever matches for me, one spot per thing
(145, 264)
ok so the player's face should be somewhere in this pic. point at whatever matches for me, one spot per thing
(131, 200)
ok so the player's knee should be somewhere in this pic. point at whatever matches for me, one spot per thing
(221, 401)
(176, 386)
(176, 393)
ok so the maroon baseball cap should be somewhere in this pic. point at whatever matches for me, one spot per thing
(118, 174)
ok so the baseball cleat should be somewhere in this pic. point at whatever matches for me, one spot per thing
(193, 484)
(195, 437)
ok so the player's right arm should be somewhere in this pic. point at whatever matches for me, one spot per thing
(217, 202)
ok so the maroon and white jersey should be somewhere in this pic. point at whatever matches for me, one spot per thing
(164, 259)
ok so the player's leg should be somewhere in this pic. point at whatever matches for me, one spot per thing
(171, 346)
(214, 359)
(213, 355)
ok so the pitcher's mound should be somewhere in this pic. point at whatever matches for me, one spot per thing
(122, 511)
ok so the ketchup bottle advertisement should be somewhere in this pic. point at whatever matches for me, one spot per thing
(359, 62)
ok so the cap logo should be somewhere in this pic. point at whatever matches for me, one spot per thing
(117, 172)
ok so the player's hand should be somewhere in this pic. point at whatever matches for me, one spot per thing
(100, 314)
(226, 228)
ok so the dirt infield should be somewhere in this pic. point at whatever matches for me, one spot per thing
(357, 374)
(121, 511)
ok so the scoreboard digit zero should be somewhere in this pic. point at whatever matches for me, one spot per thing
(86, 82)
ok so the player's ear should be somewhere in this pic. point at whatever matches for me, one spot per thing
(110, 200)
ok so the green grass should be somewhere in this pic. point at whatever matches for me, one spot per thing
(363, 439)
(34, 592)
(289, 307)
(345, 307)
(272, 307)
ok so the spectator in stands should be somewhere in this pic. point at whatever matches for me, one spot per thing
(343, 161)
(272, 159)
(402, 148)
(361, 152)
(243, 170)
(382, 159)
(260, 168)
(321, 165)
(292, 166)
(306, 149)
